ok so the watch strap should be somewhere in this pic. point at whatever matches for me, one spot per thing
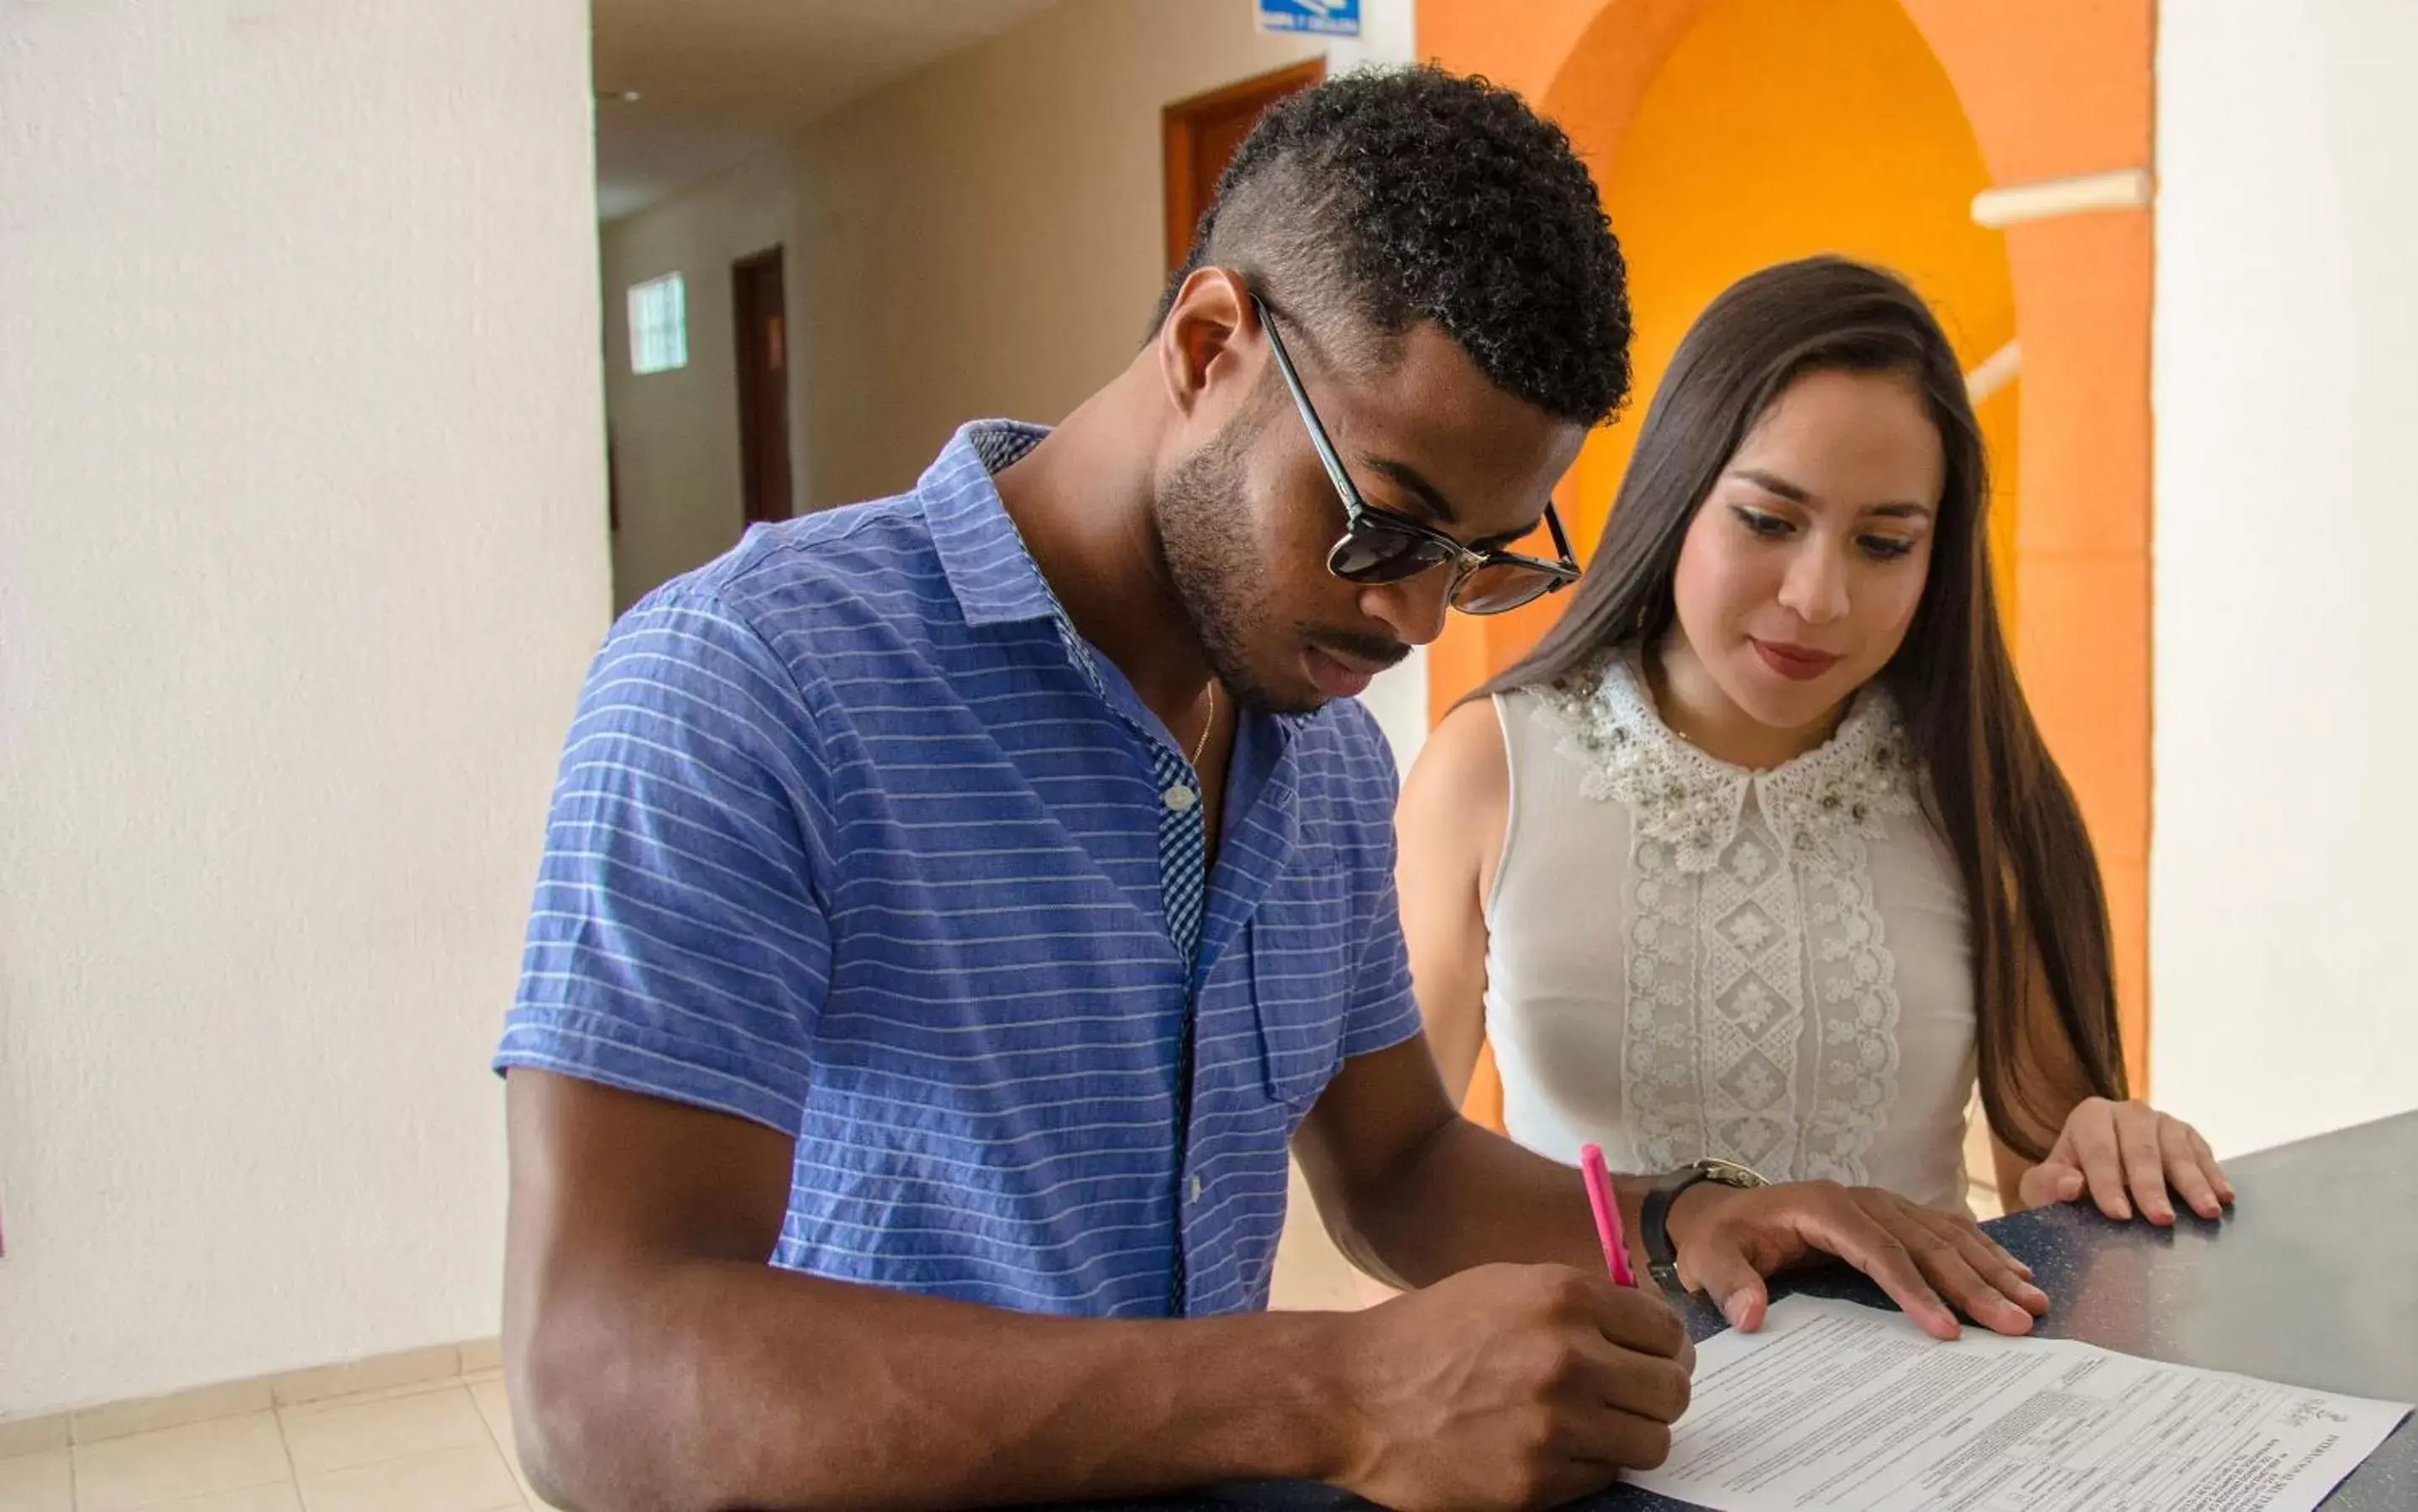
(1654, 1218)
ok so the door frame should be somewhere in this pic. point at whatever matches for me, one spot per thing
(753, 374)
(1181, 125)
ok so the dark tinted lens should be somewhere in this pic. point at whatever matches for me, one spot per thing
(1371, 551)
(1501, 587)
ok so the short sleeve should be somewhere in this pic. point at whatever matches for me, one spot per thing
(676, 945)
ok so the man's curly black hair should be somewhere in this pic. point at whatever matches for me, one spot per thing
(1383, 198)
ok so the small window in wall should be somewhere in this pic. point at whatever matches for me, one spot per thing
(658, 325)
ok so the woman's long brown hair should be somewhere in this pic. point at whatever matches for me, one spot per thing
(2029, 875)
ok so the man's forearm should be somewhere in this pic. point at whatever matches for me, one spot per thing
(1469, 1197)
(715, 1384)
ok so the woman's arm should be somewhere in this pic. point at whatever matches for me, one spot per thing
(1450, 826)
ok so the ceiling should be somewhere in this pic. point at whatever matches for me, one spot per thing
(721, 80)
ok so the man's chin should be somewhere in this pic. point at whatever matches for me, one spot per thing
(1290, 695)
(1308, 703)
(1304, 701)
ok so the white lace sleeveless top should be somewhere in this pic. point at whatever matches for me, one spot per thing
(1687, 959)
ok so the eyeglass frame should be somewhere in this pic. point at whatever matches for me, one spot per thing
(1360, 515)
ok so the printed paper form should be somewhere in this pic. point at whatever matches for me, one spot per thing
(1837, 1406)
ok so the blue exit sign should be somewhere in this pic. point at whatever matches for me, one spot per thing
(1327, 18)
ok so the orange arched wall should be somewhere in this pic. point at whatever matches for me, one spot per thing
(1771, 133)
(2050, 89)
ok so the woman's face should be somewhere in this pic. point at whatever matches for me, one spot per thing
(1801, 572)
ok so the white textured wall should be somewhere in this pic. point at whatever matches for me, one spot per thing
(301, 552)
(2286, 381)
(983, 237)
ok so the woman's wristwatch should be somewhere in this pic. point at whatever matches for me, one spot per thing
(1654, 1217)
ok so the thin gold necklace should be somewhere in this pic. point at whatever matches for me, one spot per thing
(1206, 726)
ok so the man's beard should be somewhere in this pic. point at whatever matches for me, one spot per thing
(1222, 586)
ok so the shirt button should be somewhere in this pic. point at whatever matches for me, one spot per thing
(1180, 797)
(1195, 1188)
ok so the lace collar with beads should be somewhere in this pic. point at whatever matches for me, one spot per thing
(1820, 805)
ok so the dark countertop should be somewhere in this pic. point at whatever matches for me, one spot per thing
(2312, 1281)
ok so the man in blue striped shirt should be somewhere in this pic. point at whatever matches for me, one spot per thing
(963, 900)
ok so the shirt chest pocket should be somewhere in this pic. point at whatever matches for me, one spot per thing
(1302, 959)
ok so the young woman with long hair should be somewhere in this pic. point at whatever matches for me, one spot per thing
(1759, 856)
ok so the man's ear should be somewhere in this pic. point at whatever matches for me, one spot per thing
(1200, 345)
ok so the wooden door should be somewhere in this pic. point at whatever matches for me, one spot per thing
(758, 312)
(1201, 135)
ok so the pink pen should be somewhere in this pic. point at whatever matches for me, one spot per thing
(1607, 1214)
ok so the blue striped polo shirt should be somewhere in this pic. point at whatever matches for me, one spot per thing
(856, 837)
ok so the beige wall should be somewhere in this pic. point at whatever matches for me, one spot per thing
(987, 236)
(302, 554)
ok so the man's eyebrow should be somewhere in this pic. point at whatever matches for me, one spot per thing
(1412, 479)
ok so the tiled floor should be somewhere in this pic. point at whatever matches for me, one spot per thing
(441, 1446)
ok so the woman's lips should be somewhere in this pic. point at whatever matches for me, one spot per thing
(1797, 663)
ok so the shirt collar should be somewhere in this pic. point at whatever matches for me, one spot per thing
(984, 558)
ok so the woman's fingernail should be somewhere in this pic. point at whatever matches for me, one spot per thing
(2123, 1209)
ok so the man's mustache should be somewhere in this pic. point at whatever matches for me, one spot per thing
(1377, 651)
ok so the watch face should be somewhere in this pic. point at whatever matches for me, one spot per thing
(1730, 1174)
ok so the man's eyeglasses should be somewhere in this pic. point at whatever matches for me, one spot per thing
(1379, 546)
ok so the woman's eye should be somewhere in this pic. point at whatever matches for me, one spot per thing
(1758, 523)
(1885, 548)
